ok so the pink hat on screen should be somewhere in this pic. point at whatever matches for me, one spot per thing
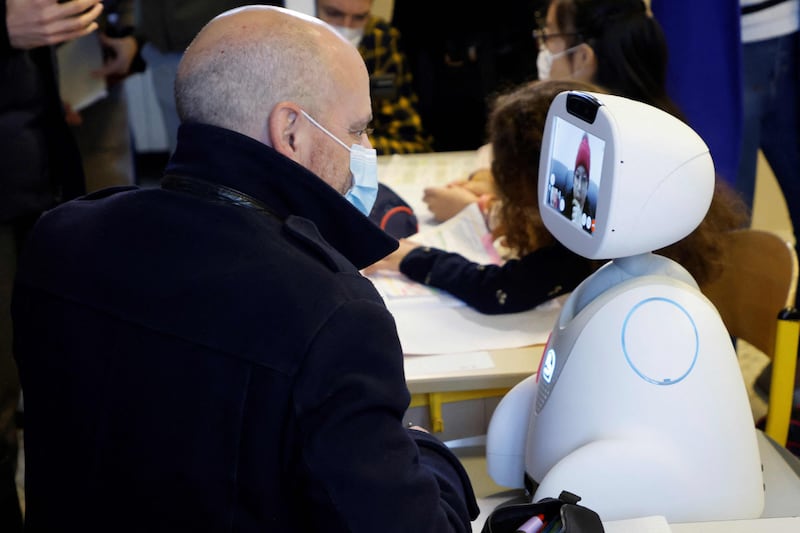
(583, 154)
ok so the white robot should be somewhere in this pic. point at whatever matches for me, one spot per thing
(639, 405)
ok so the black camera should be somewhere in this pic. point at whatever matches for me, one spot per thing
(582, 105)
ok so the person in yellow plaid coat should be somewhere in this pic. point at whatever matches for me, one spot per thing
(396, 125)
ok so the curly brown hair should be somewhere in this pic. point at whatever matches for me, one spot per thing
(516, 127)
(702, 252)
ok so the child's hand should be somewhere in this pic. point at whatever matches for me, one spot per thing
(393, 260)
(446, 202)
(481, 182)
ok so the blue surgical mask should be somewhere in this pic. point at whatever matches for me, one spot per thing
(364, 168)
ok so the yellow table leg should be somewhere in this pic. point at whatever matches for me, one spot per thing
(435, 400)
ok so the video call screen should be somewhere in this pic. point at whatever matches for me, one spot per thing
(575, 167)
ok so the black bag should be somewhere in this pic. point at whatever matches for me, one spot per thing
(507, 518)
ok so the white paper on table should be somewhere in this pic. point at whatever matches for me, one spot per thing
(431, 321)
(442, 364)
(484, 156)
(465, 234)
(398, 291)
(427, 327)
(421, 170)
(77, 59)
(409, 174)
(645, 524)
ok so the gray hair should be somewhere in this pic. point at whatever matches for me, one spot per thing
(235, 79)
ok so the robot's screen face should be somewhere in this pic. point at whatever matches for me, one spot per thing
(575, 167)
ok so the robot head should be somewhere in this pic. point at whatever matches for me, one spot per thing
(618, 177)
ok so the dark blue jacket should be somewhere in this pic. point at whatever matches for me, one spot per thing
(515, 286)
(190, 364)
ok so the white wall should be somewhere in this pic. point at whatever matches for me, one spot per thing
(144, 115)
(382, 8)
(304, 6)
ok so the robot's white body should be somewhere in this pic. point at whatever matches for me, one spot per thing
(639, 406)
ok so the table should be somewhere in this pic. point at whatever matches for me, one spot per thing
(409, 174)
(484, 387)
(781, 494)
(436, 381)
(440, 382)
(509, 367)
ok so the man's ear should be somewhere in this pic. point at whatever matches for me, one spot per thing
(584, 63)
(283, 129)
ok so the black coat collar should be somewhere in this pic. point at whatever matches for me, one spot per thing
(227, 158)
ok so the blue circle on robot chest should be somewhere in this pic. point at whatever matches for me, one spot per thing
(660, 341)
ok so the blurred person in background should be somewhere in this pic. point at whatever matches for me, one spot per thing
(771, 123)
(40, 167)
(163, 30)
(614, 44)
(101, 129)
(396, 125)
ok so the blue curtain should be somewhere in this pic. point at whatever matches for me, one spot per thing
(704, 73)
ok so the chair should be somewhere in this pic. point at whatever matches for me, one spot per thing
(755, 295)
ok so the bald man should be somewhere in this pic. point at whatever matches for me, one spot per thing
(205, 356)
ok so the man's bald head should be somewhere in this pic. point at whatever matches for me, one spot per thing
(247, 60)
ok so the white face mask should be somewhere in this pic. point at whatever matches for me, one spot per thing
(363, 167)
(353, 35)
(544, 61)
